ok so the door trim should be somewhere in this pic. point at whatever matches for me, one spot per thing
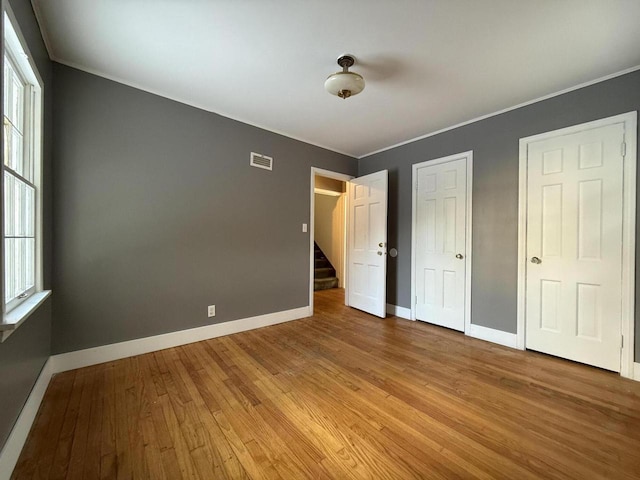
(312, 199)
(468, 156)
(628, 230)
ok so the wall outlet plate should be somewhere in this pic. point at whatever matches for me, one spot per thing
(211, 311)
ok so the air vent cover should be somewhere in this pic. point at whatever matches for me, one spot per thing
(261, 161)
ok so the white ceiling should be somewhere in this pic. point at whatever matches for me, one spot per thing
(428, 64)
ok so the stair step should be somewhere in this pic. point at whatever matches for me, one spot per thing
(325, 283)
(324, 272)
(322, 262)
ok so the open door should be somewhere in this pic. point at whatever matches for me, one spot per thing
(367, 243)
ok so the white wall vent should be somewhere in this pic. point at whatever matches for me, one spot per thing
(261, 161)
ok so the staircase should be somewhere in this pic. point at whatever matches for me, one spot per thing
(324, 275)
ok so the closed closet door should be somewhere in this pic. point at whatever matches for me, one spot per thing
(440, 255)
(574, 246)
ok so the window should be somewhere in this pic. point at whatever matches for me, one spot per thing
(22, 178)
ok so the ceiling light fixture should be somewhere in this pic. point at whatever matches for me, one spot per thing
(345, 84)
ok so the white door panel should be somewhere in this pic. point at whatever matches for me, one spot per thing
(367, 241)
(574, 228)
(440, 236)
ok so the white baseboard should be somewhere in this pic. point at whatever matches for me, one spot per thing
(399, 311)
(107, 353)
(18, 436)
(492, 335)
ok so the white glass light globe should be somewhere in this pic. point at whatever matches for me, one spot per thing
(344, 84)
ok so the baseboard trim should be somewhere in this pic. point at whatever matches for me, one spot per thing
(636, 371)
(107, 353)
(399, 311)
(18, 436)
(492, 335)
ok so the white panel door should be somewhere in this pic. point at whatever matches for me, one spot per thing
(440, 251)
(574, 246)
(367, 242)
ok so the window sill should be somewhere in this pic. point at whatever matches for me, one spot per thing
(18, 315)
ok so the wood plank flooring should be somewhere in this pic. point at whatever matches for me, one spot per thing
(340, 395)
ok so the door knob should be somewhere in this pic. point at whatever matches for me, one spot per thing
(379, 252)
(459, 256)
(536, 260)
(381, 244)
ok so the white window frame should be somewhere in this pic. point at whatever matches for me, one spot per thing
(15, 47)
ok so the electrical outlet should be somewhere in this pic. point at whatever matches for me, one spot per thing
(211, 311)
(304, 228)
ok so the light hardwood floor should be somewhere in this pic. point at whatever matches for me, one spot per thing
(339, 395)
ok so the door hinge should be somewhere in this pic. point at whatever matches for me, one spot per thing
(622, 341)
(623, 149)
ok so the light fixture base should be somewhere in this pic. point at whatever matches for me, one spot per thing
(347, 60)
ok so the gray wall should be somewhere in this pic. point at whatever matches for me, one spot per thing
(158, 214)
(24, 353)
(22, 357)
(494, 142)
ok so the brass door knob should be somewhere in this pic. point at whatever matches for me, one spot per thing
(459, 256)
(379, 252)
(536, 260)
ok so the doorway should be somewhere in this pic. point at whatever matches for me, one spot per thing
(327, 232)
(577, 243)
(365, 262)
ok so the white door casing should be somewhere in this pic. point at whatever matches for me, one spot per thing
(441, 241)
(572, 273)
(367, 243)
